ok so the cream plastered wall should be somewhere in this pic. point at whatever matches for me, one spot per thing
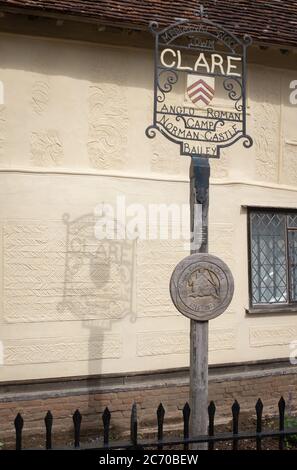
(71, 137)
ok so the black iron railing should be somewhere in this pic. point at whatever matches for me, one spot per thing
(161, 443)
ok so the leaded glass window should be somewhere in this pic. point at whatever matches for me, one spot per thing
(292, 237)
(273, 257)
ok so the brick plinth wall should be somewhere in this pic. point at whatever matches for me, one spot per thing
(91, 396)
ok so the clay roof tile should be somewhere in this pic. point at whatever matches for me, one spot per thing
(270, 22)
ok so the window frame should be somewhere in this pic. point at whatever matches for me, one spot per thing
(290, 306)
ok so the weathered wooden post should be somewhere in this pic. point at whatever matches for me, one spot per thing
(195, 62)
(199, 203)
(201, 288)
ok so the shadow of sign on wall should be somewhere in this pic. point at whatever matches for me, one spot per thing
(99, 274)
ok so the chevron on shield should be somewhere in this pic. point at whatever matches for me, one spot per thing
(200, 90)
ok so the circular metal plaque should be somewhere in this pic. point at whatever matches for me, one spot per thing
(201, 287)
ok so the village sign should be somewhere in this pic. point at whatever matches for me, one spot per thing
(199, 87)
(200, 104)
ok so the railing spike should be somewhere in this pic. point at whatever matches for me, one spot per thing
(48, 420)
(186, 409)
(18, 424)
(281, 403)
(212, 408)
(259, 406)
(235, 407)
(211, 416)
(235, 414)
(77, 419)
(161, 411)
(160, 422)
(259, 411)
(186, 416)
(134, 426)
(106, 417)
(281, 409)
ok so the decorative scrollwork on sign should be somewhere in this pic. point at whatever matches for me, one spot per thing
(153, 26)
(233, 93)
(151, 132)
(248, 142)
(169, 78)
(247, 40)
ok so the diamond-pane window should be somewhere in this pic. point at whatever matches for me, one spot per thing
(292, 221)
(292, 238)
(273, 257)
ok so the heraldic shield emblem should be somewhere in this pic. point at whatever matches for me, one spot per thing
(200, 90)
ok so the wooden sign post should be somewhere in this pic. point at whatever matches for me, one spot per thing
(199, 65)
(199, 203)
(201, 288)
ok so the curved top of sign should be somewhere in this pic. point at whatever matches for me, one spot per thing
(204, 26)
(199, 87)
